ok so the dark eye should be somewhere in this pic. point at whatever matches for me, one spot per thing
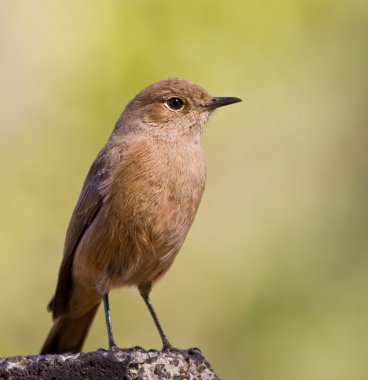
(175, 104)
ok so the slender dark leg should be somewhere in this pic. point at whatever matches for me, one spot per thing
(108, 321)
(165, 341)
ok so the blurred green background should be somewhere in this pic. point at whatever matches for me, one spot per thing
(272, 280)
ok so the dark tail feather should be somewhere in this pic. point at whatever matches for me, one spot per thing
(68, 334)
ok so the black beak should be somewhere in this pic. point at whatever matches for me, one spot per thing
(220, 102)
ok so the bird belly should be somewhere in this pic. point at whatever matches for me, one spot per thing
(142, 225)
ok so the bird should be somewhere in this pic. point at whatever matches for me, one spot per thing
(136, 206)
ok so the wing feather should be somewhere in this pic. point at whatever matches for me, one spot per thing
(86, 209)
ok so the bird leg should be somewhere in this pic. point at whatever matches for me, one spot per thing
(165, 342)
(108, 321)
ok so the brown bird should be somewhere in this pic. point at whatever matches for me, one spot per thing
(135, 209)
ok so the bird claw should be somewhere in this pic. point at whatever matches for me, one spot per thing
(113, 347)
(167, 347)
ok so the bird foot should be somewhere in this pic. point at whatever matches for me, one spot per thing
(113, 347)
(167, 347)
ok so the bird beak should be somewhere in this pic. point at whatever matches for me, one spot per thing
(220, 102)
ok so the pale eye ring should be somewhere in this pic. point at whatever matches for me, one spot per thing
(174, 103)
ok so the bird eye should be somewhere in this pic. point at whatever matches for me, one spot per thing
(175, 104)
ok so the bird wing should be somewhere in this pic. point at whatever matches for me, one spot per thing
(85, 211)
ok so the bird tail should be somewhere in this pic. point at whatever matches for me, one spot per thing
(69, 332)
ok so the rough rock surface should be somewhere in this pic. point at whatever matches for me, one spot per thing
(127, 364)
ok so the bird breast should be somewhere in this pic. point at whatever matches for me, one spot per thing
(149, 205)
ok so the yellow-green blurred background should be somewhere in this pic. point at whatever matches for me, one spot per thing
(272, 282)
